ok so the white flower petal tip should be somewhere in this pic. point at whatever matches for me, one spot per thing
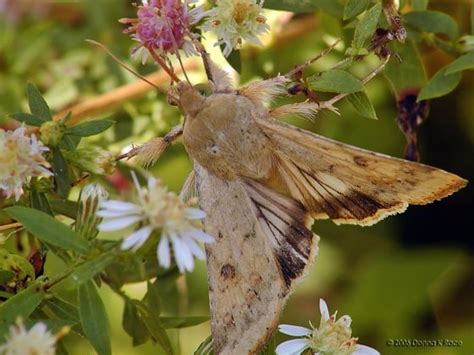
(294, 330)
(365, 350)
(137, 239)
(163, 252)
(323, 308)
(292, 347)
(195, 213)
(118, 223)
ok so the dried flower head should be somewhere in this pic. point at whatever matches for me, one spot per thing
(157, 209)
(235, 21)
(38, 340)
(21, 158)
(332, 337)
(164, 26)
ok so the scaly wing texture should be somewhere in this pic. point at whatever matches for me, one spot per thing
(349, 184)
(262, 247)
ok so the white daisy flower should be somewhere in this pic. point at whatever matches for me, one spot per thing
(158, 210)
(38, 341)
(235, 21)
(332, 337)
(21, 158)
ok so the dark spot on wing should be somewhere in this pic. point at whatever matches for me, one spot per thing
(361, 161)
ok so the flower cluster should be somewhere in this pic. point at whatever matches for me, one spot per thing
(164, 26)
(331, 338)
(21, 158)
(37, 340)
(157, 209)
(235, 21)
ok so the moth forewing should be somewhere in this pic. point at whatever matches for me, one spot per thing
(350, 184)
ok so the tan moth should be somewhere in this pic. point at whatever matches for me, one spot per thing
(262, 182)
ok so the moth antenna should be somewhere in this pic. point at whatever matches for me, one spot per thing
(312, 60)
(178, 56)
(125, 66)
(163, 64)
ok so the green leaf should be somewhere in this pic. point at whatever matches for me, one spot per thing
(154, 326)
(61, 173)
(48, 229)
(433, 21)
(441, 84)
(133, 325)
(27, 118)
(410, 72)
(367, 25)
(37, 103)
(94, 318)
(65, 207)
(152, 297)
(339, 81)
(464, 62)
(298, 6)
(206, 347)
(69, 142)
(472, 18)
(419, 5)
(235, 60)
(90, 268)
(6, 276)
(23, 303)
(361, 102)
(40, 202)
(181, 322)
(354, 8)
(87, 129)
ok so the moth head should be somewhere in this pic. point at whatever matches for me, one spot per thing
(191, 98)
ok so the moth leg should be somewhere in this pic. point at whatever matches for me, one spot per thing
(149, 152)
(329, 104)
(188, 190)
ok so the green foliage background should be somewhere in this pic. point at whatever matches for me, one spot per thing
(408, 277)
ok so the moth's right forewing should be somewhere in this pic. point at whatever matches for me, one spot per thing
(349, 184)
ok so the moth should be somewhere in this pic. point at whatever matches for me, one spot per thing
(262, 182)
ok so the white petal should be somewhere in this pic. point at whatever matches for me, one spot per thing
(115, 213)
(200, 235)
(291, 347)
(195, 213)
(115, 205)
(182, 254)
(194, 247)
(294, 330)
(323, 308)
(163, 252)
(137, 238)
(365, 350)
(118, 223)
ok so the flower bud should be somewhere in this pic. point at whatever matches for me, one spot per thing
(465, 44)
(87, 220)
(51, 133)
(93, 160)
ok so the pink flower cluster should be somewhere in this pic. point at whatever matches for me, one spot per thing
(163, 25)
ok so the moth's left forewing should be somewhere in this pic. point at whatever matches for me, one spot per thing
(262, 246)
